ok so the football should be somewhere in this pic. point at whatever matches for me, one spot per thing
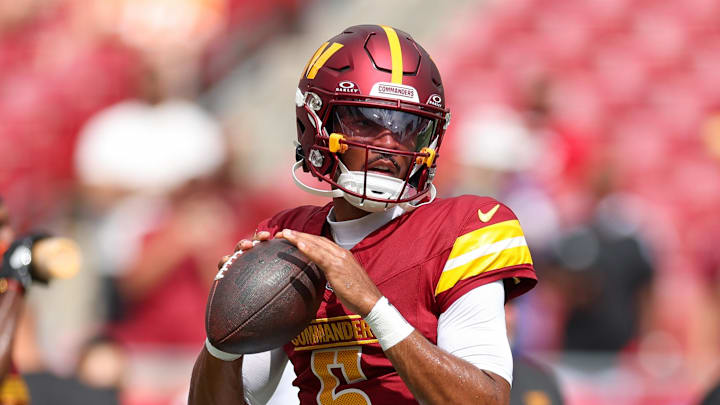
(262, 298)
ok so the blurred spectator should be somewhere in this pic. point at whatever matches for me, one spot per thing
(129, 157)
(97, 379)
(137, 145)
(165, 287)
(604, 272)
(153, 173)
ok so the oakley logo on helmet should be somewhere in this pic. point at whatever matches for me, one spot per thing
(435, 100)
(347, 87)
(397, 91)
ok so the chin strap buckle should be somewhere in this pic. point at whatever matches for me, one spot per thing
(429, 159)
(335, 145)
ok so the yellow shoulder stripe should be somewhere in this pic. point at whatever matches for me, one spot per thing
(490, 248)
(324, 56)
(395, 55)
(485, 236)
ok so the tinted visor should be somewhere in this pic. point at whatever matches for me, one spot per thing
(412, 131)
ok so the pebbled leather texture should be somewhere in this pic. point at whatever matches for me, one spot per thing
(265, 297)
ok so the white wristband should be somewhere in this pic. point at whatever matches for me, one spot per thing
(219, 354)
(388, 324)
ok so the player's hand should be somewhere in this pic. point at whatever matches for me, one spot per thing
(348, 278)
(246, 244)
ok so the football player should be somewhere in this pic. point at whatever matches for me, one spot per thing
(414, 305)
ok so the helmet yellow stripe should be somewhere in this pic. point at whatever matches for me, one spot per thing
(312, 60)
(323, 58)
(395, 54)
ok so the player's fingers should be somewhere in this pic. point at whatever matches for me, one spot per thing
(300, 241)
(311, 246)
(262, 235)
(323, 245)
(321, 242)
(244, 244)
(222, 261)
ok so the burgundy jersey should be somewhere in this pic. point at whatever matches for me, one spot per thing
(422, 262)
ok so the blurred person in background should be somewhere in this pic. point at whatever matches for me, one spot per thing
(27, 260)
(164, 288)
(157, 212)
(603, 270)
(137, 160)
(97, 377)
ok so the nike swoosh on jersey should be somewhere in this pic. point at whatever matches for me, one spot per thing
(487, 216)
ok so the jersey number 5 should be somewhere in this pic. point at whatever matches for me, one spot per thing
(347, 359)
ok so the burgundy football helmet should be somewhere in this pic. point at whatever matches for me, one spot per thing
(366, 80)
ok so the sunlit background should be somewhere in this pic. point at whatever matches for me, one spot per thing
(159, 132)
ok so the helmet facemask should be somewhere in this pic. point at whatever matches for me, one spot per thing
(375, 181)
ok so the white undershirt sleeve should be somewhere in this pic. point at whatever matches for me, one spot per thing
(473, 329)
(261, 374)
